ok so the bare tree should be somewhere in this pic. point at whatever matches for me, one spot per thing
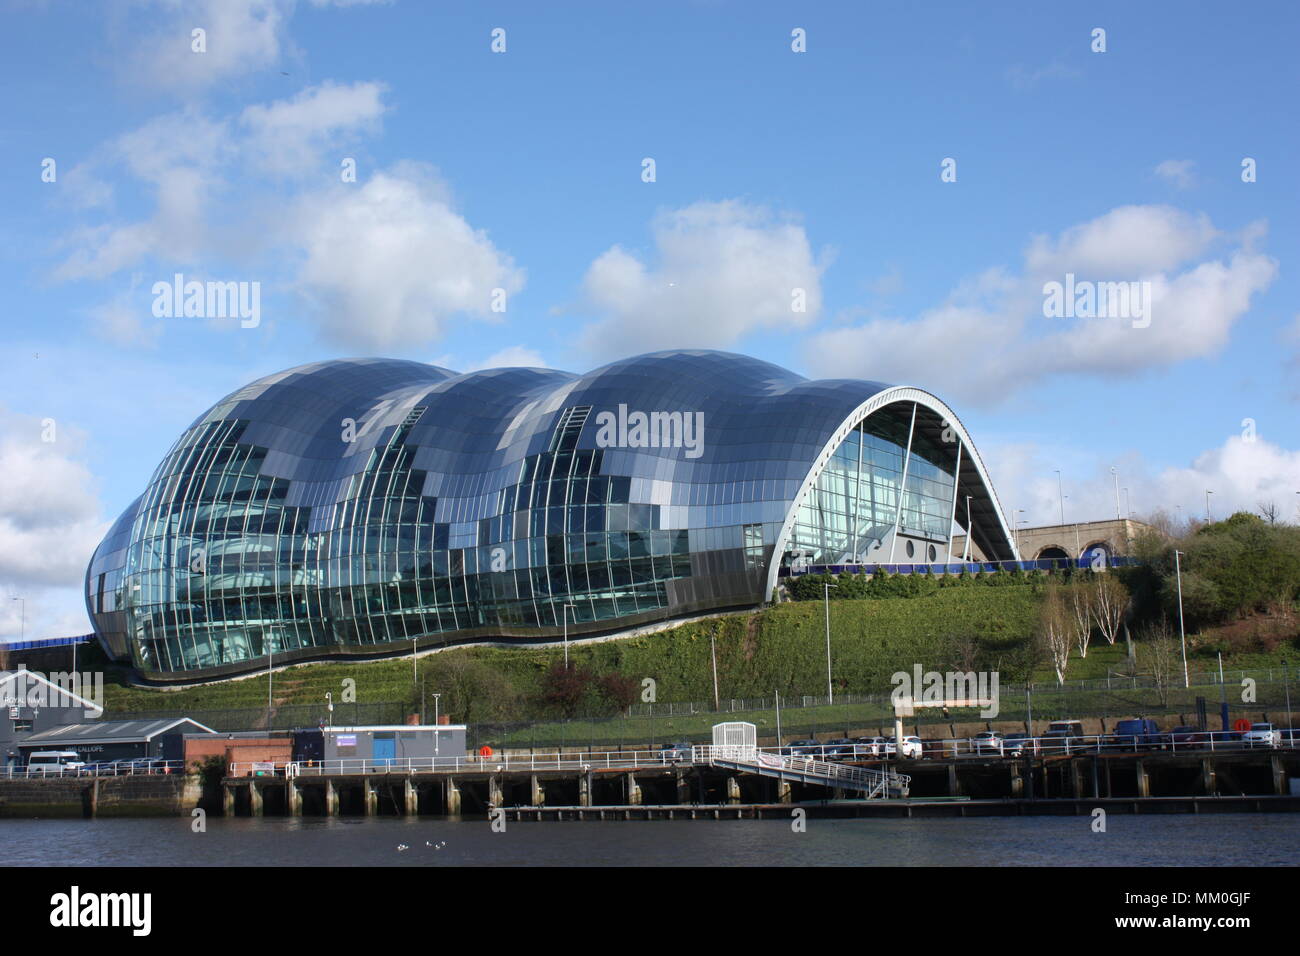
(1080, 600)
(1109, 603)
(1268, 510)
(1158, 652)
(1054, 631)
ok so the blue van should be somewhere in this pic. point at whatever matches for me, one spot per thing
(1136, 734)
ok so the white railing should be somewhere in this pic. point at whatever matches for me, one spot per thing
(1213, 741)
(603, 760)
(116, 768)
(827, 760)
(833, 773)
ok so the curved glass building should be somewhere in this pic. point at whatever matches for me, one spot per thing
(363, 506)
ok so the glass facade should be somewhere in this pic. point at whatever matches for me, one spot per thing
(849, 516)
(356, 507)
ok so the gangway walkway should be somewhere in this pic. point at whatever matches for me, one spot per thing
(872, 784)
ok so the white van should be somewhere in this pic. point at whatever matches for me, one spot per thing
(45, 762)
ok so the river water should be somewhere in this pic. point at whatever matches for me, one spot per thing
(1242, 839)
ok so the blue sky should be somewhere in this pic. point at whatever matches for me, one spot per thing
(774, 169)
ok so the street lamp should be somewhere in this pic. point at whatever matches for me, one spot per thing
(435, 724)
(1115, 475)
(270, 656)
(1182, 634)
(713, 655)
(1286, 682)
(329, 707)
(1060, 490)
(566, 633)
(830, 691)
(1208, 492)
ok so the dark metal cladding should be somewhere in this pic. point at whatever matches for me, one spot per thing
(349, 508)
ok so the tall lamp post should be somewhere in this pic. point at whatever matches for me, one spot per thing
(1060, 491)
(830, 690)
(1286, 683)
(1208, 492)
(713, 656)
(1182, 635)
(435, 724)
(1115, 475)
(270, 656)
(566, 633)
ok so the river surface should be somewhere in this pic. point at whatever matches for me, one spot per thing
(1239, 839)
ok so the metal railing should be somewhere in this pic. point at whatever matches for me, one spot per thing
(956, 567)
(126, 768)
(774, 762)
(604, 760)
(1209, 741)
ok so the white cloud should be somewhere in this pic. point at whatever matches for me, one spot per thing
(1178, 172)
(1125, 243)
(121, 322)
(386, 260)
(514, 356)
(1242, 475)
(389, 262)
(989, 338)
(180, 157)
(721, 270)
(288, 136)
(50, 515)
(243, 36)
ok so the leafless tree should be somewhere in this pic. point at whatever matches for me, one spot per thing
(1158, 652)
(1269, 511)
(1054, 631)
(1080, 600)
(1109, 603)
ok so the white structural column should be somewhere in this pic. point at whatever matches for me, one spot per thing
(857, 494)
(952, 515)
(902, 486)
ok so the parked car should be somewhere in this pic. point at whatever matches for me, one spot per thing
(867, 746)
(804, 748)
(1139, 733)
(46, 762)
(1188, 738)
(145, 765)
(910, 748)
(841, 748)
(987, 741)
(681, 750)
(1262, 735)
(885, 746)
(102, 767)
(1018, 745)
(1066, 736)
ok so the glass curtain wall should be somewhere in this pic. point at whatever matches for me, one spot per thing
(855, 501)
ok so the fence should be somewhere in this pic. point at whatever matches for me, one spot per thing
(802, 715)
